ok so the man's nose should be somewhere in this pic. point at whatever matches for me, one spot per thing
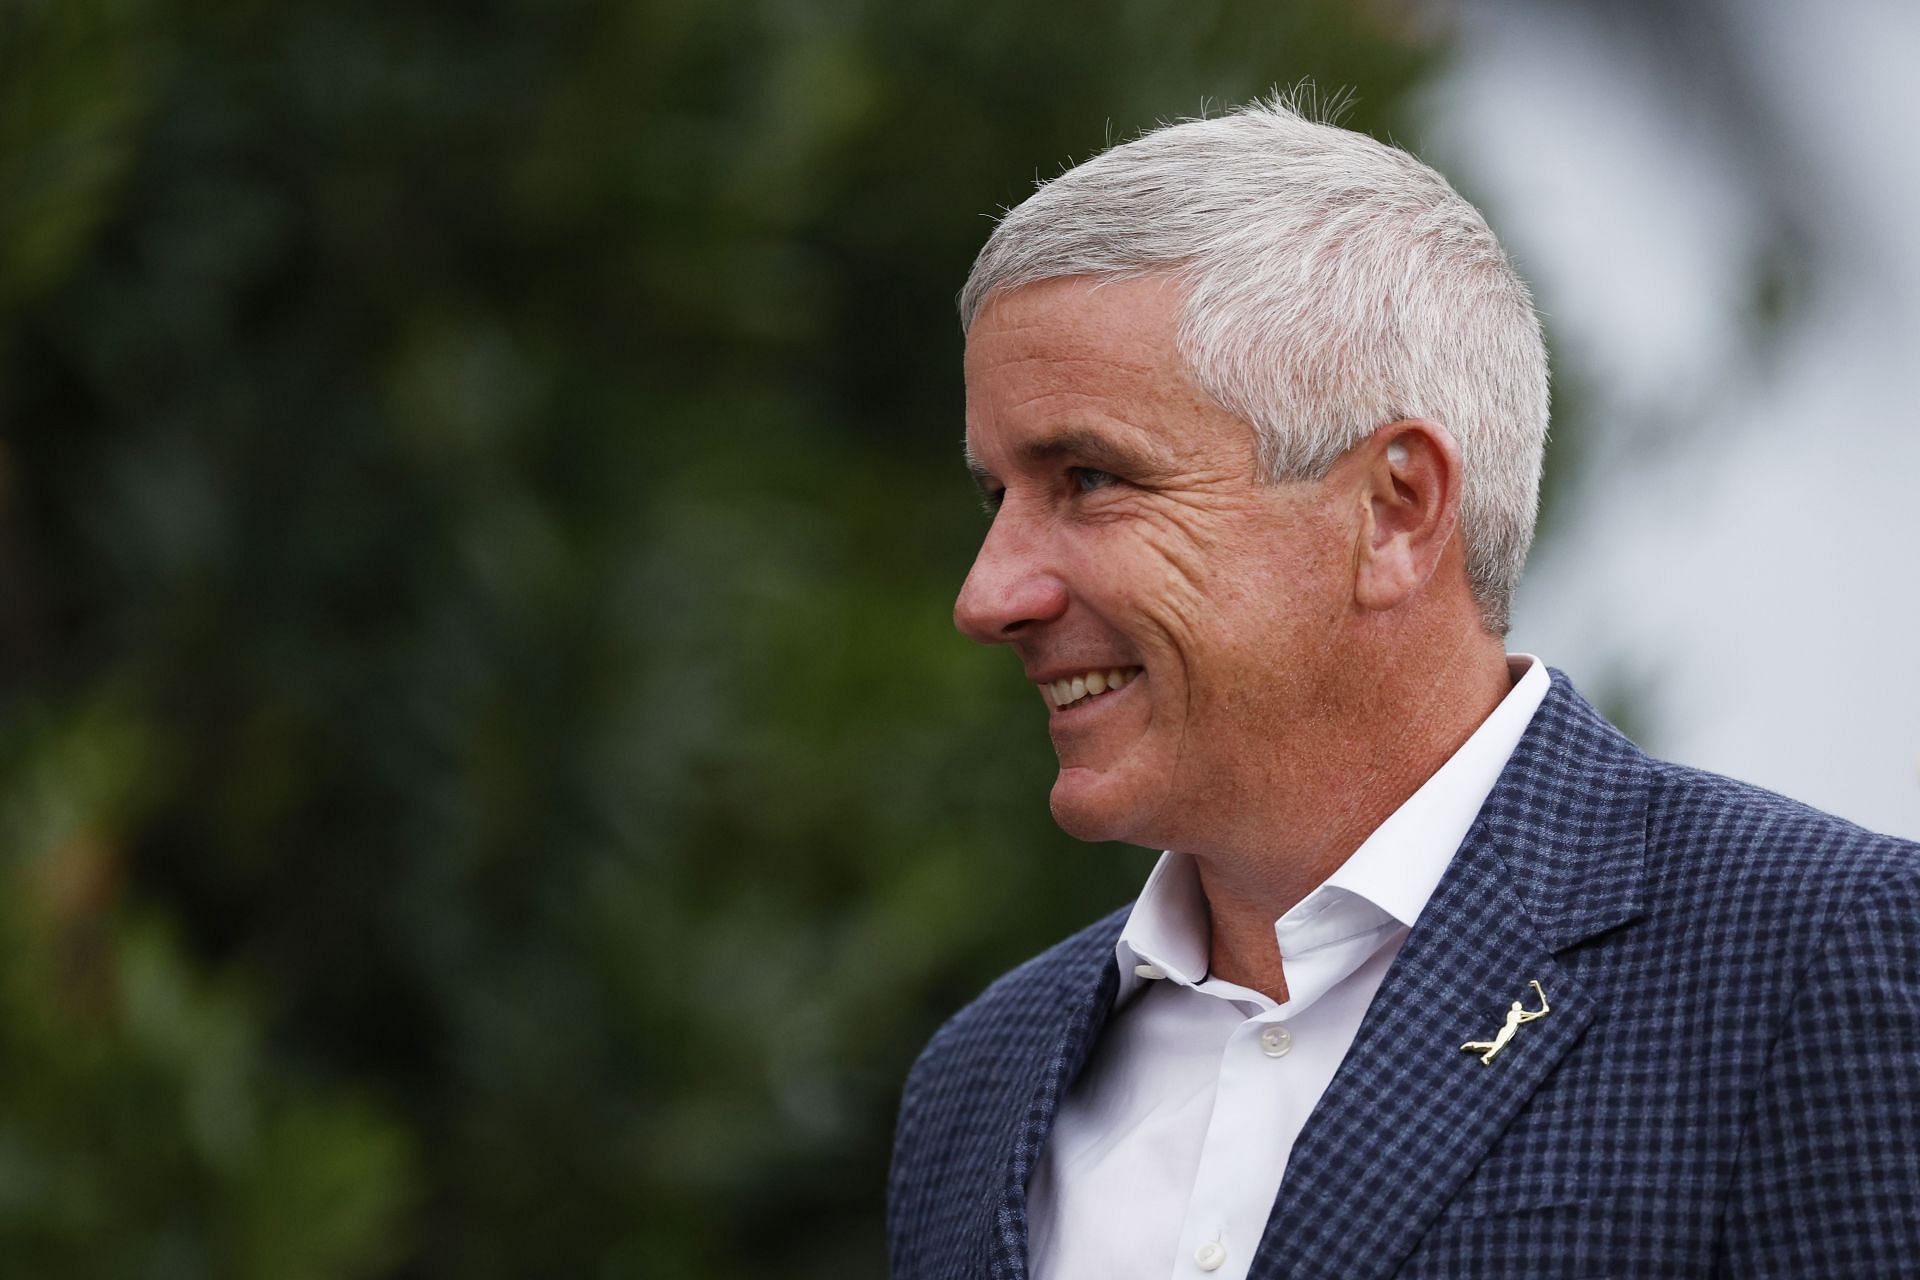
(1010, 588)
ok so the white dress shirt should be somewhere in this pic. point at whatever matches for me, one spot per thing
(1168, 1151)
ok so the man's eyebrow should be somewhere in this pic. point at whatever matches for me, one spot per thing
(1099, 451)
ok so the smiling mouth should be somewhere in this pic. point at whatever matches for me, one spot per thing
(1074, 691)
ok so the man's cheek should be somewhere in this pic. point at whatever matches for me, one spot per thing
(1182, 571)
(1172, 635)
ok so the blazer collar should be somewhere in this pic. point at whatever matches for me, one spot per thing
(1568, 821)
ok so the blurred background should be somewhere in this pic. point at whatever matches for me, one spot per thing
(488, 786)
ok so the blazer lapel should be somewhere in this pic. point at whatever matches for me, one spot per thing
(1554, 858)
(1089, 982)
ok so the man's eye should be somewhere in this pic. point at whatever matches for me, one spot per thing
(990, 500)
(1086, 479)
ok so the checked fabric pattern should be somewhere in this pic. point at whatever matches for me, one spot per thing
(1728, 1084)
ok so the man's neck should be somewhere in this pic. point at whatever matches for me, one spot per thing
(1339, 796)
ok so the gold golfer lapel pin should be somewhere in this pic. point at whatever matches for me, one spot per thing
(1515, 1016)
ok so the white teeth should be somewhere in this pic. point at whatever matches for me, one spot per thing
(1072, 690)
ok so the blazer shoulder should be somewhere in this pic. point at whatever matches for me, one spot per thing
(1693, 812)
(1754, 847)
(1581, 781)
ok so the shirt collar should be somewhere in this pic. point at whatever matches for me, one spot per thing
(1398, 867)
(1385, 882)
(1169, 928)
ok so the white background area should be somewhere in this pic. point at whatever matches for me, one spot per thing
(1732, 553)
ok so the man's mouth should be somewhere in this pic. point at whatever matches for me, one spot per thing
(1072, 691)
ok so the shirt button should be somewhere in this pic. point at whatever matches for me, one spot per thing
(1149, 971)
(1276, 1040)
(1210, 1255)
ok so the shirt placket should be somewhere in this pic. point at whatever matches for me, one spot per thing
(1257, 1088)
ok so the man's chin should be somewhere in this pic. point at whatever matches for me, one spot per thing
(1094, 806)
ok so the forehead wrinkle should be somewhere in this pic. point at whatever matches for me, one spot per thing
(1098, 370)
(1026, 369)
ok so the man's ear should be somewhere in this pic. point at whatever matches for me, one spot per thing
(1410, 482)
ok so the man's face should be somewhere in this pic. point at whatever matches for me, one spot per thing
(1132, 534)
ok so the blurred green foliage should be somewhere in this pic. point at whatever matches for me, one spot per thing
(487, 783)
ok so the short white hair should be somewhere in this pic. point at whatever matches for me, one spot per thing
(1330, 284)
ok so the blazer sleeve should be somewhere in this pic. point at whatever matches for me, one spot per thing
(1827, 1181)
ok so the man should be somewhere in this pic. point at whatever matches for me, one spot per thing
(1440, 976)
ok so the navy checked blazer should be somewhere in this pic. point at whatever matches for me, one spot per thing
(1728, 1083)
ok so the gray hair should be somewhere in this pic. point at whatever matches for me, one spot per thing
(1331, 284)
